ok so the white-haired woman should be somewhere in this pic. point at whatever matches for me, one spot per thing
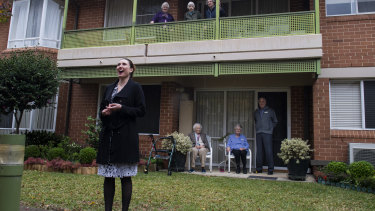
(163, 16)
(237, 144)
(192, 14)
(200, 147)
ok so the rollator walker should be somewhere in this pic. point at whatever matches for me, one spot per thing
(161, 153)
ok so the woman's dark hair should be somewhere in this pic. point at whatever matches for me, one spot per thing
(131, 65)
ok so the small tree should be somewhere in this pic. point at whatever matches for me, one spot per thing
(28, 80)
(5, 10)
(92, 133)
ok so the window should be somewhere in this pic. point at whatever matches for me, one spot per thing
(35, 23)
(352, 104)
(118, 13)
(38, 119)
(349, 7)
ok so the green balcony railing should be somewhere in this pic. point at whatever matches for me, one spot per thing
(283, 24)
(267, 25)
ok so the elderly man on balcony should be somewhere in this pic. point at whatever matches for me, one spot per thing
(200, 147)
(211, 10)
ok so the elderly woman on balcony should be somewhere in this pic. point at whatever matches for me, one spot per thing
(192, 14)
(163, 16)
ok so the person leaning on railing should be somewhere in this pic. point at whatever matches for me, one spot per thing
(163, 16)
(192, 14)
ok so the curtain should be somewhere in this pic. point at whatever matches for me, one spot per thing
(272, 6)
(53, 25)
(119, 13)
(240, 108)
(210, 111)
(34, 19)
(18, 24)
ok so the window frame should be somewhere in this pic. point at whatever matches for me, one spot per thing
(363, 115)
(31, 123)
(41, 36)
(352, 2)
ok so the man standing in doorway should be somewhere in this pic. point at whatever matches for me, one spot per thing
(265, 122)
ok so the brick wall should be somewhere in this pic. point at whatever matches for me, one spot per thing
(83, 104)
(348, 41)
(169, 115)
(91, 14)
(298, 113)
(4, 31)
(62, 108)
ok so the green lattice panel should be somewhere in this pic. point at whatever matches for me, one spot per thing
(267, 25)
(102, 72)
(97, 37)
(174, 70)
(141, 71)
(175, 32)
(268, 67)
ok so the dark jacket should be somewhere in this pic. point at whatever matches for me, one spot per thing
(193, 15)
(267, 122)
(118, 141)
(212, 13)
(203, 137)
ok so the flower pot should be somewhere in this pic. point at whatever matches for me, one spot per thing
(297, 171)
(12, 150)
(178, 161)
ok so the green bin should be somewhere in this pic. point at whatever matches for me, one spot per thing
(12, 150)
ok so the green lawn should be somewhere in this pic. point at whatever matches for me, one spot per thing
(157, 191)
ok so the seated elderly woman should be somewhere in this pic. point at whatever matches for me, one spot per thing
(163, 16)
(237, 144)
(200, 147)
(192, 14)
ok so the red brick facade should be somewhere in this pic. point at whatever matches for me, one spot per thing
(298, 113)
(348, 41)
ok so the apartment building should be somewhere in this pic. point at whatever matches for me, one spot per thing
(313, 60)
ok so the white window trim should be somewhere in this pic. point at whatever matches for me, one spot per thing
(356, 10)
(42, 29)
(362, 107)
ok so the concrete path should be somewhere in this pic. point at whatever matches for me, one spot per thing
(276, 176)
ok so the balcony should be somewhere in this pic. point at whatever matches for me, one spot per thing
(271, 25)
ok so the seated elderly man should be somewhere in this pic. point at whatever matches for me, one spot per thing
(200, 147)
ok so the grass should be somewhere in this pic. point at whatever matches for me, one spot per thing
(157, 191)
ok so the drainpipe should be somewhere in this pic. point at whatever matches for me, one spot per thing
(68, 106)
(76, 15)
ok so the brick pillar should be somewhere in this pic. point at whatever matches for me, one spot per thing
(84, 103)
(62, 108)
(321, 120)
(297, 112)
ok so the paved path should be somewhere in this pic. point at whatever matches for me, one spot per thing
(276, 176)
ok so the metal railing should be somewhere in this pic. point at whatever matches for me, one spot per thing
(283, 24)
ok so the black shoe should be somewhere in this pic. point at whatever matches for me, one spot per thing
(270, 172)
(245, 170)
(238, 170)
(257, 172)
(191, 170)
(203, 170)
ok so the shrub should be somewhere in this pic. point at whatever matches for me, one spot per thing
(294, 148)
(336, 171)
(361, 169)
(32, 151)
(43, 138)
(75, 157)
(87, 155)
(70, 148)
(44, 151)
(92, 132)
(183, 143)
(56, 152)
(366, 182)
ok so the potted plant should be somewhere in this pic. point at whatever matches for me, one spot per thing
(29, 80)
(295, 153)
(183, 146)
